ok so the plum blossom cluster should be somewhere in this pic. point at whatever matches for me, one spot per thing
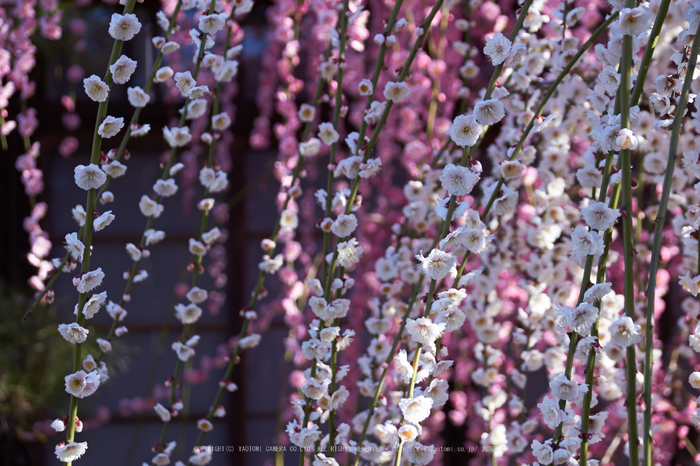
(540, 248)
(17, 61)
(94, 179)
(218, 56)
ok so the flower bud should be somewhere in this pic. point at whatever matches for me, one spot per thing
(106, 197)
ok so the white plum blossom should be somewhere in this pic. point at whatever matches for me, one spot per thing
(104, 345)
(314, 349)
(103, 221)
(310, 148)
(150, 207)
(197, 295)
(407, 433)
(497, 48)
(319, 306)
(161, 459)
(458, 180)
(227, 71)
(73, 333)
(542, 451)
(344, 225)
(584, 346)
(170, 47)
(599, 216)
(95, 88)
(690, 284)
(94, 304)
(90, 177)
(137, 97)
(694, 339)
(465, 130)
(694, 380)
(196, 108)
(625, 332)
(370, 168)
(124, 27)
(415, 410)
(289, 219)
(122, 69)
(396, 92)
(365, 87)
(71, 451)
(626, 140)
(475, 240)
(115, 169)
(201, 457)
(110, 126)
(596, 292)
(589, 176)
(437, 265)
(163, 74)
(302, 437)
(188, 314)
(438, 392)
(306, 113)
(553, 416)
(565, 389)
(197, 247)
(251, 341)
(561, 456)
(220, 121)
(504, 203)
(511, 169)
(183, 351)
(207, 176)
(211, 236)
(220, 182)
(90, 280)
(327, 133)
(165, 188)
(661, 104)
(453, 319)
(423, 331)
(211, 24)
(403, 366)
(610, 79)
(489, 112)
(584, 242)
(315, 389)
(443, 206)
(58, 425)
(75, 247)
(82, 384)
(162, 412)
(349, 253)
(419, 454)
(349, 167)
(691, 163)
(581, 318)
(154, 236)
(177, 137)
(133, 251)
(374, 113)
(388, 433)
(633, 21)
(185, 82)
